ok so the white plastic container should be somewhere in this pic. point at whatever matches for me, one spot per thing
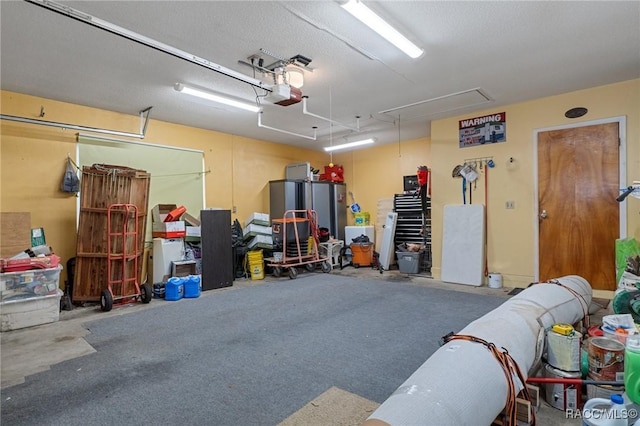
(495, 280)
(605, 412)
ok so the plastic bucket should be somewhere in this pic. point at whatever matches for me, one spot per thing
(557, 394)
(606, 359)
(257, 271)
(255, 256)
(256, 264)
(495, 280)
(362, 219)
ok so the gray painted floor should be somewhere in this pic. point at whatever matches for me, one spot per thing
(251, 354)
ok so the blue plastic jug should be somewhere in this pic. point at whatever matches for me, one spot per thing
(174, 289)
(192, 286)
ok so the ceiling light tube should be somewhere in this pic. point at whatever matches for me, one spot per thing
(376, 23)
(215, 98)
(349, 145)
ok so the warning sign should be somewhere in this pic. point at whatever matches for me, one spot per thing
(482, 130)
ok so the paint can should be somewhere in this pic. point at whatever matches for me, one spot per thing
(563, 351)
(603, 391)
(606, 359)
(495, 280)
(558, 395)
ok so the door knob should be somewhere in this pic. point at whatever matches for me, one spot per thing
(543, 214)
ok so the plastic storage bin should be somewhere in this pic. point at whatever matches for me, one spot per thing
(29, 312)
(408, 261)
(31, 283)
(29, 298)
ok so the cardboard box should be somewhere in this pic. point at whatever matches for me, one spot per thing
(258, 219)
(190, 220)
(253, 229)
(193, 231)
(14, 233)
(183, 268)
(193, 234)
(261, 241)
(175, 229)
(160, 211)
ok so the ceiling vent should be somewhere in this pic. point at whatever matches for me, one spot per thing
(441, 104)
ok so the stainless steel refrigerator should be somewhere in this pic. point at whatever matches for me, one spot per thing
(328, 199)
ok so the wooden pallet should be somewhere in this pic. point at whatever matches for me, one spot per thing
(101, 186)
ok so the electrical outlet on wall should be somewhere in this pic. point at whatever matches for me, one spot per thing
(510, 204)
(234, 209)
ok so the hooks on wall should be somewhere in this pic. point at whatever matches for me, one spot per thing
(480, 162)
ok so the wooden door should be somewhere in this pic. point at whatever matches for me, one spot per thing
(578, 182)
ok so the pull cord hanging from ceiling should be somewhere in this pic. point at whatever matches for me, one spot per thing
(330, 127)
(399, 150)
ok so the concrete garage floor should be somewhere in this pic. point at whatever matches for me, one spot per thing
(32, 350)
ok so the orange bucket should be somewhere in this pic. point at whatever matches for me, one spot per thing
(362, 254)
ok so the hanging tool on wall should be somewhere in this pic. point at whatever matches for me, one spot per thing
(470, 175)
(456, 173)
(424, 189)
(630, 190)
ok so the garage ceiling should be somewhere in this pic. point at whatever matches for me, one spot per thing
(478, 55)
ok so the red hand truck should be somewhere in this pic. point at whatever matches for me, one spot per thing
(122, 259)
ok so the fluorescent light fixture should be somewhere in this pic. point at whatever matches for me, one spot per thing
(349, 145)
(377, 24)
(214, 98)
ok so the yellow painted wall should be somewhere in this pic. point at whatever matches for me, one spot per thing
(511, 232)
(33, 160)
(376, 174)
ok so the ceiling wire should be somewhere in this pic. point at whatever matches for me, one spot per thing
(330, 124)
(399, 153)
(258, 96)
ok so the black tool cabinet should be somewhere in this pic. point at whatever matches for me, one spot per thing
(413, 225)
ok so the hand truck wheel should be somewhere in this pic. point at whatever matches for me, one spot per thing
(106, 300)
(146, 293)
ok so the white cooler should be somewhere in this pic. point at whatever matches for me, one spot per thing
(351, 232)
